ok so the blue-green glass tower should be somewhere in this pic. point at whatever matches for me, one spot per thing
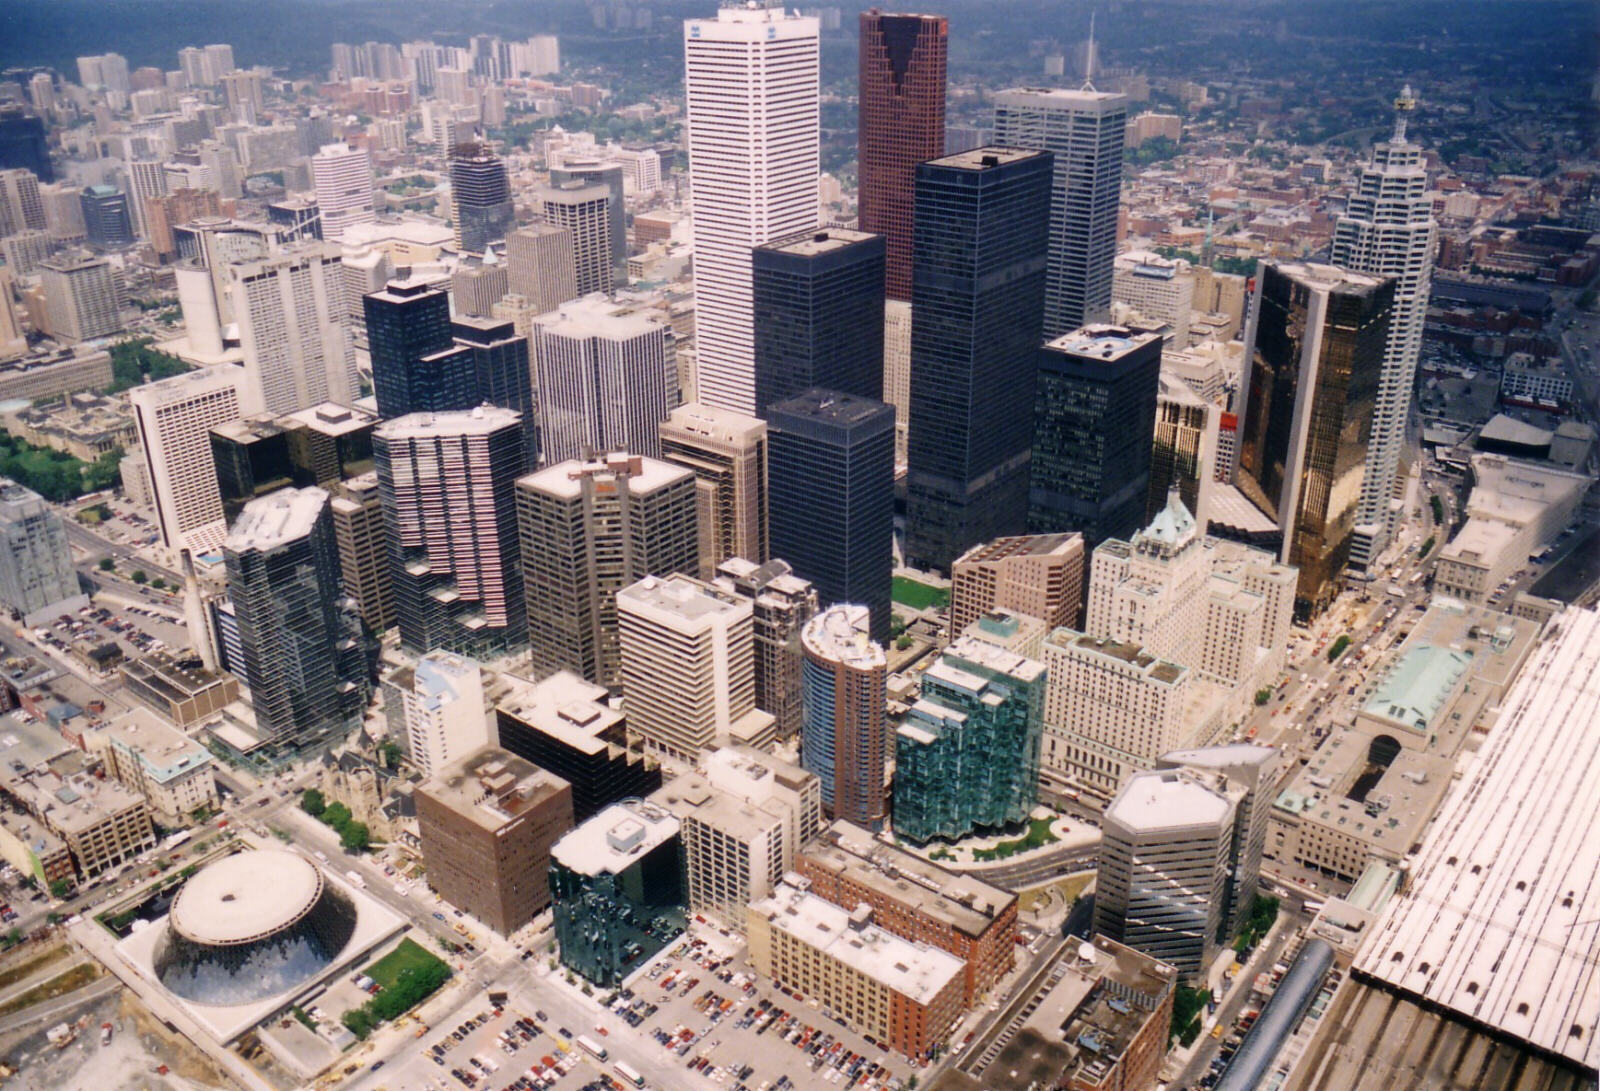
(967, 754)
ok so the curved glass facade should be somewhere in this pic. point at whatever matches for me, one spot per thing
(242, 973)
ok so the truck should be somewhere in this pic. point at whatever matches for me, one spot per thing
(355, 879)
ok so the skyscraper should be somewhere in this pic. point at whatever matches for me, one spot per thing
(480, 197)
(830, 480)
(264, 453)
(727, 453)
(586, 531)
(106, 217)
(818, 314)
(502, 374)
(607, 379)
(82, 297)
(1313, 365)
(1094, 415)
(610, 174)
(585, 211)
(147, 181)
(447, 484)
(1041, 575)
(977, 302)
(343, 179)
(22, 142)
(845, 737)
(1184, 453)
(1085, 130)
(174, 418)
(541, 267)
(416, 365)
(967, 754)
(21, 204)
(478, 284)
(688, 667)
(1388, 230)
(751, 77)
(783, 604)
(303, 659)
(899, 123)
(297, 352)
(445, 715)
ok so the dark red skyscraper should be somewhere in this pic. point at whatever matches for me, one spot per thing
(901, 124)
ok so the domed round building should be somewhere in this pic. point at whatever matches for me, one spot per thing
(251, 926)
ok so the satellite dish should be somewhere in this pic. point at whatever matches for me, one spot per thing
(1086, 952)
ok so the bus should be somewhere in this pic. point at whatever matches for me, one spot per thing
(592, 1047)
(629, 1073)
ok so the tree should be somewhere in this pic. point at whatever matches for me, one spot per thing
(1263, 696)
(60, 888)
(354, 837)
(139, 576)
(159, 584)
(312, 803)
(337, 815)
(107, 564)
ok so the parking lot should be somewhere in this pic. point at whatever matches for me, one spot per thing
(507, 1050)
(700, 1003)
(136, 630)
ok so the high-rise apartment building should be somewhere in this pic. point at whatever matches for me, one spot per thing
(541, 266)
(363, 551)
(447, 483)
(37, 578)
(342, 177)
(831, 488)
(416, 365)
(977, 300)
(82, 297)
(727, 453)
(1184, 452)
(480, 197)
(297, 352)
(303, 659)
(445, 715)
(488, 823)
(1094, 414)
(1040, 575)
(751, 76)
(1085, 130)
(174, 418)
(967, 754)
(900, 123)
(818, 315)
(502, 372)
(744, 815)
(783, 603)
(587, 530)
(1313, 367)
(1388, 230)
(845, 736)
(688, 667)
(584, 211)
(1165, 853)
(607, 378)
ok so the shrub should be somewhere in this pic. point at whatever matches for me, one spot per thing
(1338, 647)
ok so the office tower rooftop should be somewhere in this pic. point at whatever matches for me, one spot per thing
(1040, 575)
(36, 571)
(480, 197)
(727, 453)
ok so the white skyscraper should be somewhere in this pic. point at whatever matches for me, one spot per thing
(752, 81)
(446, 718)
(147, 178)
(606, 378)
(343, 179)
(297, 353)
(174, 418)
(1085, 130)
(1388, 230)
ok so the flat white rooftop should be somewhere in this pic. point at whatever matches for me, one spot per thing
(277, 519)
(1501, 920)
(612, 840)
(840, 634)
(1165, 799)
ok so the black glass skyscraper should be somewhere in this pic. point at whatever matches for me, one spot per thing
(978, 273)
(416, 365)
(504, 376)
(303, 657)
(1094, 419)
(481, 197)
(819, 314)
(22, 142)
(106, 220)
(830, 492)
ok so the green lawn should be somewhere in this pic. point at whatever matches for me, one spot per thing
(918, 596)
(409, 955)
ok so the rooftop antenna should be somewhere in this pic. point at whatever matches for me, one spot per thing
(1088, 59)
(1403, 106)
